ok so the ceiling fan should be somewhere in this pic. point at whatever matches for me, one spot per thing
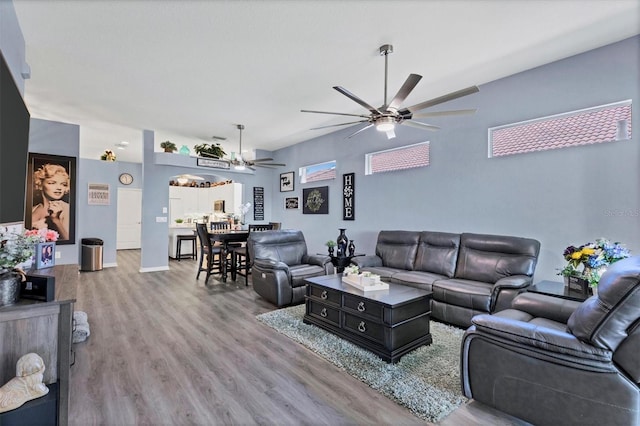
(239, 163)
(389, 114)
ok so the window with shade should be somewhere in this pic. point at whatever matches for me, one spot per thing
(402, 158)
(600, 124)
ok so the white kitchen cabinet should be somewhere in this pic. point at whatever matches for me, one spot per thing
(186, 202)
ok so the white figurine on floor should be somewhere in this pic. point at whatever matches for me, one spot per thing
(27, 384)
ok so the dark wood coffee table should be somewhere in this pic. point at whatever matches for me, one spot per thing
(389, 323)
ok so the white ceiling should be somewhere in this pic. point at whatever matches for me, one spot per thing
(192, 69)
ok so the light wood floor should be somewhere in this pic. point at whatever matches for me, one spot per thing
(167, 350)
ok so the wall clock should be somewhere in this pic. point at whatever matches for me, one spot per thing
(126, 179)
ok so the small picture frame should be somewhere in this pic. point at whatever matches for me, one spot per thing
(287, 181)
(292, 203)
(45, 255)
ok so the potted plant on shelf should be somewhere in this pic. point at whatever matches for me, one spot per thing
(209, 151)
(108, 155)
(168, 146)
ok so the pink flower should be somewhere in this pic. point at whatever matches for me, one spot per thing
(45, 235)
(50, 235)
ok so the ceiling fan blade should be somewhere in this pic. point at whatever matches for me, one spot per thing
(419, 125)
(334, 113)
(261, 159)
(270, 165)
(404, 91)
(357, 99)
(361, 130)
(448, 97)
(341, 124)
(444, 113)
(250, 167)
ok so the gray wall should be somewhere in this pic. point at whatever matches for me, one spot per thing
(12, 43)
(52, 137)
(560, 197)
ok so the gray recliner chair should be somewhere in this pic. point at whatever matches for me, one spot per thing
(280, 264)
(551, 361)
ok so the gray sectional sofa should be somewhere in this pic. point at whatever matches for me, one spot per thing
(469, 274)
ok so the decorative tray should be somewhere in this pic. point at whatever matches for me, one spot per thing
(354, 280)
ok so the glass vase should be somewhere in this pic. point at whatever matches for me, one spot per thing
(341, 243)
(352, 248)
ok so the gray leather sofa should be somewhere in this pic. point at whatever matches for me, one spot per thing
(280, 264)
(551, 361)
(469, 274)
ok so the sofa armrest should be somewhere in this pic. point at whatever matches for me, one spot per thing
(543, 340)
(271, 264)
(366, 261)
(544, 306)
(316, 259)
(513, 281)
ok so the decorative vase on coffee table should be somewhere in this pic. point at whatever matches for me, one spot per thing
(352, 248)
(342, 242)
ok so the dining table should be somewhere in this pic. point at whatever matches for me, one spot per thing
(226, 237)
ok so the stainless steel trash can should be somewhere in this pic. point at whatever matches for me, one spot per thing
(91, 258)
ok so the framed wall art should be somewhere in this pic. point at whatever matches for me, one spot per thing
(51, 195)
(348, 196)
(258, 203)
(315, 200)
(286, 181)
(292, 203)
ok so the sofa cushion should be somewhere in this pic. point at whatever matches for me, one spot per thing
(397, 249)
(475, 295)
(385, 273)
(423, 280)
(488, 258)
(437, 253)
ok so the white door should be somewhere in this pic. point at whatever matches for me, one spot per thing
(129, 218)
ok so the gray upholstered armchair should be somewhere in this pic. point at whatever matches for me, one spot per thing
(550, 361)
(280, 264)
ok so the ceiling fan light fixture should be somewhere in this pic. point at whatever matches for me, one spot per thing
(239, 167)
(385, 124)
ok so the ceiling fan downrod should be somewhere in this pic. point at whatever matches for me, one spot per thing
(241, 128)
(385, 49)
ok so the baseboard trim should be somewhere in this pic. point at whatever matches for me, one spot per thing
(156, 269)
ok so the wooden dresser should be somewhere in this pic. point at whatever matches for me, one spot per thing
(46, 329)
(389, 323)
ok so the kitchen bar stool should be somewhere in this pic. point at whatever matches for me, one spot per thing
(180, 239)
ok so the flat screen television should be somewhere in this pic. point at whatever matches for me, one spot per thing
(14, 147)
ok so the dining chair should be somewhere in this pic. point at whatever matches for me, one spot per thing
(209, 252)
(241, 254)
(219, 226)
